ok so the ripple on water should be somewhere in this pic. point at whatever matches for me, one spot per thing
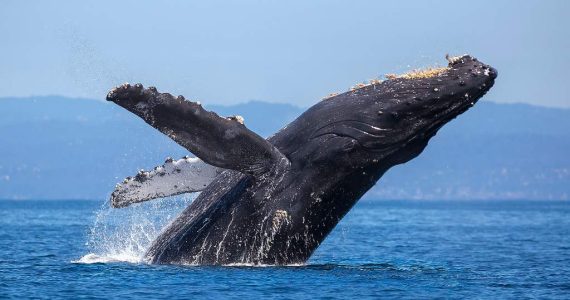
(387, 249)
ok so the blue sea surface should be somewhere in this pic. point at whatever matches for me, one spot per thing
(391, 249)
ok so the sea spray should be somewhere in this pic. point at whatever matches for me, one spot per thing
(124, 235)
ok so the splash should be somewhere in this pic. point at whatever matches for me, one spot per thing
(124, 235)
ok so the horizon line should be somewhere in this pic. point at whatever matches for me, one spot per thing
(31, 97)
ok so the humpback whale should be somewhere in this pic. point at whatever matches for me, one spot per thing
(273, 201)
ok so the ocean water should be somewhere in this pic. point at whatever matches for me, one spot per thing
(391, 249)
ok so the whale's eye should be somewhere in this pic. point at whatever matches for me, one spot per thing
(395, 116)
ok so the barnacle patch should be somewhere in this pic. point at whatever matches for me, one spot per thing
(419, 73)
(280, 217)
(413, 74)
(237, 118)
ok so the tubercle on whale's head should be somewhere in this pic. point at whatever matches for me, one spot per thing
(394, 119)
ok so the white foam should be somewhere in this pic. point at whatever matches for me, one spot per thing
(93, 258)
(262, 265)
(124, 235)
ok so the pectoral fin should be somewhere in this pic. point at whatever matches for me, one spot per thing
(185, 175)
(221, 142)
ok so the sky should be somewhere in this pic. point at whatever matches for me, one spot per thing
(295, 51)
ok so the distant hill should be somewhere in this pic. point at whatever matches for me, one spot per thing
(62, 148)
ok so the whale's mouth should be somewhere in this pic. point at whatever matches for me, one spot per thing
(388, 115)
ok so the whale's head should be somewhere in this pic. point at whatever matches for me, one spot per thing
(378, 125)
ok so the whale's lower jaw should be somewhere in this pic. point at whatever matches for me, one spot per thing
(276, 200)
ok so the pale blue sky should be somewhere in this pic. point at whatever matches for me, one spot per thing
(279, 51)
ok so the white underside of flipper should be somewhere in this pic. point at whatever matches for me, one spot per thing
(186, 175)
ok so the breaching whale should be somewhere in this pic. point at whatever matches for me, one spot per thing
(273, 201)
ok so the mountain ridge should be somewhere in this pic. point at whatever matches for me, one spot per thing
(67, 148)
